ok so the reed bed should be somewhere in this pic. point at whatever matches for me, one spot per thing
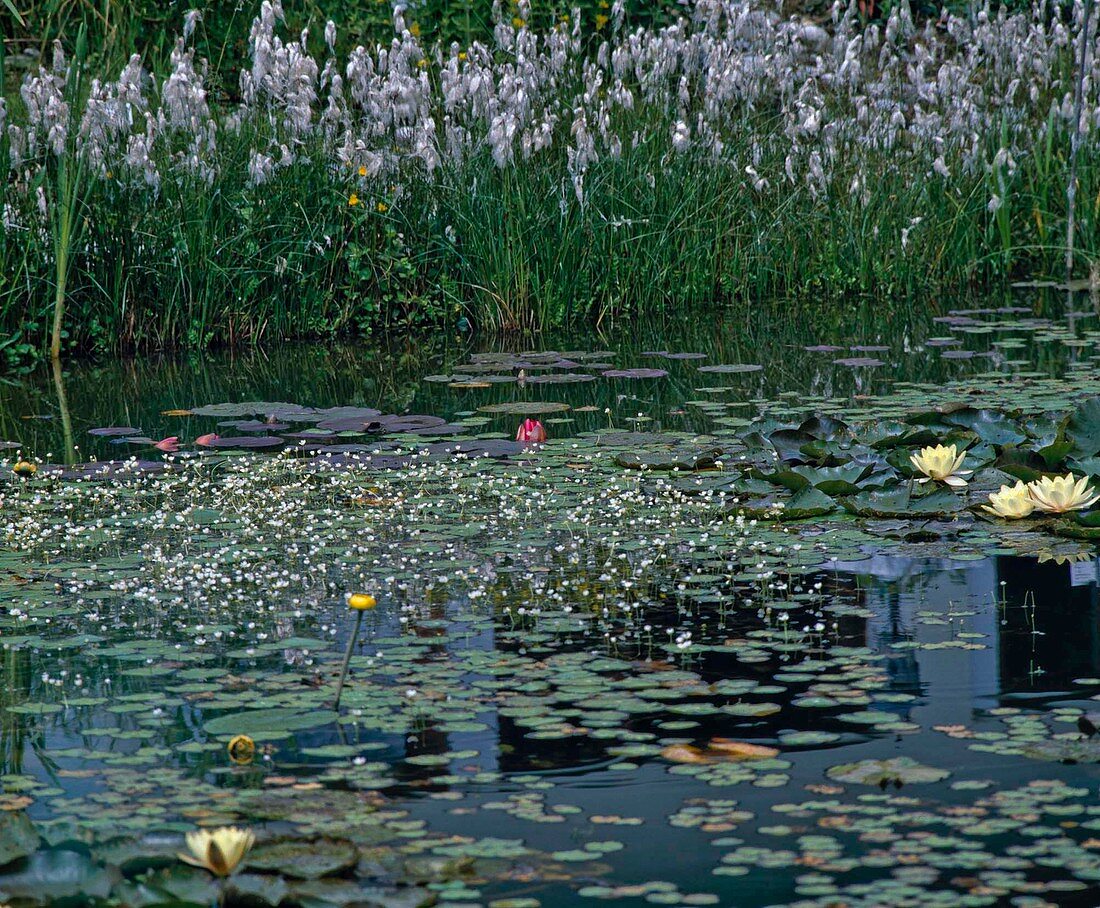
(552, 176)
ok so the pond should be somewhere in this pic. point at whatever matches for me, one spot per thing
(711, 644)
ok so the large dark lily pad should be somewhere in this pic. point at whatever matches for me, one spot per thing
(304, 860)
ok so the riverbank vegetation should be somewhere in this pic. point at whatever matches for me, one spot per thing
(584, 169)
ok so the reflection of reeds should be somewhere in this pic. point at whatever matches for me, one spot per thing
(15, 665)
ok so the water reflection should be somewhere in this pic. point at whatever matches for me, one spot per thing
(49, 412)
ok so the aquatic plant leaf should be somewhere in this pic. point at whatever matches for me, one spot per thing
(303, 859)
(900, 503)
(525, 408)
(635, 373)
(735, 369)
(896, 770)
(18, 837)
(808, 502)
(1082, 428)
(114, 431)
(256, 723)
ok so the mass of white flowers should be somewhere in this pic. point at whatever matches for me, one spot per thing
(962, 93)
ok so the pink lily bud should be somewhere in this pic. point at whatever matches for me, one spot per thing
(203, 441)
(169, 445)
(531, 430)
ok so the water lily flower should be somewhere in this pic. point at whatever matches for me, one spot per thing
(203, 441)
(531, 430)
(362, 602)
(169, 445)
(941, 464)
(1062, 494)
(218, 850)
(25, 468)
(241, 749)
(1011, 502)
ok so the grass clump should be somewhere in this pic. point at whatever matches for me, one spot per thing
(551, 175)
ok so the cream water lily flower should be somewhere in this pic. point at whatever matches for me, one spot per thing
(1062, 494)
(1012, 502)
(941, 464)
(218, 850)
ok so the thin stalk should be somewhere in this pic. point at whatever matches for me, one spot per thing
(347, 660)
(66, 201)
(1075, 140)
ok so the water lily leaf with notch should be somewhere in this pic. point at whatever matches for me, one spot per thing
(900, 503)
(1022, 463)
(825, 427)
(1082, 428)
(788, 444)
(303, 859)
(835, 480)
(809, 502)
(1090, 466)
(991, 426)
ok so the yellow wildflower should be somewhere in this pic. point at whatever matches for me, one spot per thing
(414, 29)
(353, 200)
(382, 207)
(362, 602)
(362, 170)
(601, 21)
(518, 22)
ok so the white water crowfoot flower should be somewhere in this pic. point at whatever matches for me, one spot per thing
(941, 464)
(1062, 494)
(218, 850)
(1011, 502)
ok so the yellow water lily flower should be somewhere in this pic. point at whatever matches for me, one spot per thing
(242, 750)
(941, 464)
(1062, 494)
(1011, 503)
(24, 468)
(218, 850)
(362, 602)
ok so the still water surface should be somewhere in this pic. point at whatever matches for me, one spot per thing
(919, 657)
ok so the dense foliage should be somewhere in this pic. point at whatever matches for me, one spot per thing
(586, 169)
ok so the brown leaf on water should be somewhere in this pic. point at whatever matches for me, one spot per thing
(740, 750)
(718, 750)
(685, 753)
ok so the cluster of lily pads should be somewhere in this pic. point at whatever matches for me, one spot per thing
(658, 608)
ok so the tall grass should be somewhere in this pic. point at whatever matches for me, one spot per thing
(192, 246)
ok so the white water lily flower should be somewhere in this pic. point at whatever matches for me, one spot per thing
(218, 850)
(941, 464)
(1062, 494)
(1011, 502)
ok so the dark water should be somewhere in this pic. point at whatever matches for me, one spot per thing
(977, 666)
